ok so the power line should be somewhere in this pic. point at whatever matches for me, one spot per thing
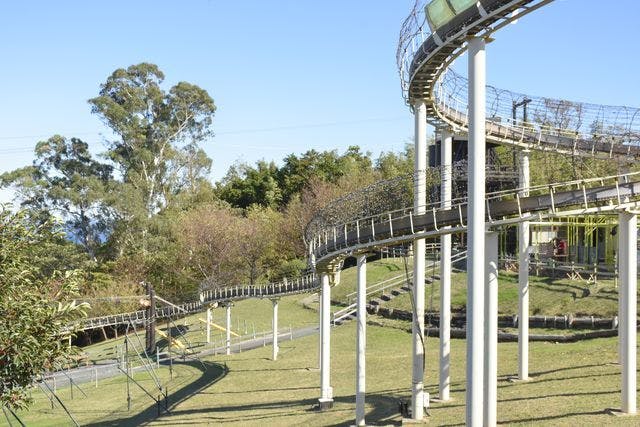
(16, 150)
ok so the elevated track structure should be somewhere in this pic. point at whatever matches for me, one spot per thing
(403, 212)
(406, 210)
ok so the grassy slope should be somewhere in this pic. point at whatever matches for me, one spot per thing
(252, 314)
(572, 385)
(547, 296)
(376, 272)
(558, 296)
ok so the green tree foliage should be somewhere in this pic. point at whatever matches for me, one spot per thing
(66, 181)
(391, 164)
(298, 172)
(156, 150)
(33, 305)
(245, 185)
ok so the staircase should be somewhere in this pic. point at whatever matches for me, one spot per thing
(387, 289)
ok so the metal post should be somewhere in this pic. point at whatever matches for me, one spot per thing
(128, 370)
(476, 230)
(228, 331)
(151, 321)
(523, 276)
(491, 330)
(326, 396)
(275, 328)
(361, 339)
(209, 320)
(320, 329)
(446, 160)
(419, 202)
(628, 253)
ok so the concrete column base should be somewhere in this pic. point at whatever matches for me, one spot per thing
(411, 421)
(438, 400)
(619, 413)
(520, 380)
(325, 404)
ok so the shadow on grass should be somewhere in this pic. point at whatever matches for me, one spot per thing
(552, 417)
(211, 373)
(385, 411)
(574, 394)
(564, 288)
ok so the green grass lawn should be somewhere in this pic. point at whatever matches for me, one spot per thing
(559, 296)
(246, 317)
(376, 272)
(546, 296)
(572, 385)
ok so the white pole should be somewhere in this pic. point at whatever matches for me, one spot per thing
(420, 200)
(523, 277)
(275, 329)
(320, 330)
(628, 253)
(209, 325)
(361, 339)
(326, 398)
(446, 144)
(228, 329)
(476, 230)
(491, 331)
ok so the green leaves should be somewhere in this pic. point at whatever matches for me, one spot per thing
(34, 306)
(158, 132)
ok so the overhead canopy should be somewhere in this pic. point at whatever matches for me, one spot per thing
(439, 12)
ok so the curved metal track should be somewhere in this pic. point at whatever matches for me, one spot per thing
(507, 207)
(559, 126)
(306, 283)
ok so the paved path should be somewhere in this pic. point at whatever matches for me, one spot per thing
(109, 368)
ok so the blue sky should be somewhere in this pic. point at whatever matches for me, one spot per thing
(286, 75)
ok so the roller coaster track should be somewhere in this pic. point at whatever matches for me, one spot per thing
(222, 295)
(561, 127)
(423, 59)
(336, 242)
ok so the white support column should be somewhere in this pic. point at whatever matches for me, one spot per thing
(627, 258)
(491, 330)
(228, 327)
(361, 339)
(446, 161)
(274, 325)
(209, 325)
(523, 276)
(320, 328)
(326, 392)
(419, 207)
(476, 231)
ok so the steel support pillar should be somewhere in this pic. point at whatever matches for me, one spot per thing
(320, 327)
(274, 325)
(491, 330)
(228, 329)
(361, 339)
(523, 276)
(209, 320)
(419, 207)
(326, 392)
(476, 231)
(628, 270)
(446, 161)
